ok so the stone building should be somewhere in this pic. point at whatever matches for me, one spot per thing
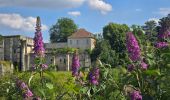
(81, 39)
(19, 50)
(15, 49)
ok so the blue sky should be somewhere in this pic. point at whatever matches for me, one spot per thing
(18, 16)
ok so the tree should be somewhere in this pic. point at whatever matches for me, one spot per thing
(62, 29)
(104, 52)
(115, 34)
(150, 29)
(164, 29)
(138, 32)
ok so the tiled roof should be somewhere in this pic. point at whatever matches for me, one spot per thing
(81, 33)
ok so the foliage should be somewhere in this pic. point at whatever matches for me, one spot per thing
(164, 24)
(62, 29)
(147, 78)
(104, 52)
(115, 34)
(63, 50)
(151, 30)
(56, 81)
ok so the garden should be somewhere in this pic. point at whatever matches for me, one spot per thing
(128, 64)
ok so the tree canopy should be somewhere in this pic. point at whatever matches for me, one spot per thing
(115, 34)
(62, 29)
(164, 25)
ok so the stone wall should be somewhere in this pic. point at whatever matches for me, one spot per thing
(2, 49)
(16, 48)
(61, 61)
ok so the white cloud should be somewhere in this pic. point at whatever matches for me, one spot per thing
(138, 10)
(164, 11)
(154, 19)
(74, 13)
(50, 4)
(17, 22)
(100, 5)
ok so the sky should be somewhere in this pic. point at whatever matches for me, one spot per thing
(18, 17)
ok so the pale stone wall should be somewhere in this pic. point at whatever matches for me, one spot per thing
(19, 50)
(62, 61)
(15, 49)
(81, 43)
(2, 49)
(92, 43)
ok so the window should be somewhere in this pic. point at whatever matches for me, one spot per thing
(77, 41)
(15, 51)
(70, 41)
(60, 60)
(87, 41)
(51, 59)
(64, 61)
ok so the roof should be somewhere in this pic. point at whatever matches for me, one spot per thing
(81, 33)
(11, 36)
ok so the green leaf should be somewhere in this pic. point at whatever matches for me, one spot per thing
(150, 55)
(152, 72)
(84, 90)
(42, 92)
(49, 85)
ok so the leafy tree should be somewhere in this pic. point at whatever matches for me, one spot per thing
(150, 29)
(115, 34)
(104, 52)
(139, 33)
(62, 29)
(164, 24)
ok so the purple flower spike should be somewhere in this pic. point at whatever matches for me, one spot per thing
(161, 44)
(38, 40)
(132, 47)
(75, 64)
(135, 95)
(94, 76)
(24, 88)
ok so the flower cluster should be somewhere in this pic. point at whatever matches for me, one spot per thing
(132, 47)
(38, 41)
(24, 88)
(161, 44)
(94, 76)
(135, 95)
(75, 64)
(130, 68)
(143, 65)
(44, 66)
(165, 35)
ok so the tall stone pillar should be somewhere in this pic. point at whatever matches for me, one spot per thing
(22, 55)
(67, 62)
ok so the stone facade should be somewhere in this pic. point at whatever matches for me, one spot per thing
(2, 49)
(81, 39)
(15, 50)
(19, 50)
